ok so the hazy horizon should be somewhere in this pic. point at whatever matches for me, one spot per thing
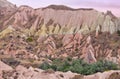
(100, 5)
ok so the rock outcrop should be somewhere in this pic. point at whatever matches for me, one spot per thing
(4, 67)
(59, 19)
(6, 4)
(87, 47)
(7, 9)
(106, 75)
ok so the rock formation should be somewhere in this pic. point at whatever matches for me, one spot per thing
(7, 9)
(56, 31)
(59, 19)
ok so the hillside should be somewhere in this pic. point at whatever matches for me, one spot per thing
(29, 37)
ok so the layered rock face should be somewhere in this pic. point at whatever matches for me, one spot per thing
(87, 47)
(6, 11)
(62, 20)
(5, 3)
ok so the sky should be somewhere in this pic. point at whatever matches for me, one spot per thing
(100, 5)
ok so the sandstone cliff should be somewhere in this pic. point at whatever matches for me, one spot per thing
(58, 19)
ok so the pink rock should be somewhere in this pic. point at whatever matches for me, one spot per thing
(89, 57)
(4, 67)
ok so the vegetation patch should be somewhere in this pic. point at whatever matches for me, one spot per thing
(118, 32)
(29, 39)
(79, 66)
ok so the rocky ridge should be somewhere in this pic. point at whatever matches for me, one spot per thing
(59, 19)
(7, 9)
(87, 47)
(6, 4)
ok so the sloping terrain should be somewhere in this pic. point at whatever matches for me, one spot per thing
(88, 47)
(59, 31)
(7, 9)
(32, 36)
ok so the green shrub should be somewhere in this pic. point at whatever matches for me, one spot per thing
(64, 66)
(79, 66)
(118, 32)
(31, 60)
(29, 39)
(45, 66)
(102, 66)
